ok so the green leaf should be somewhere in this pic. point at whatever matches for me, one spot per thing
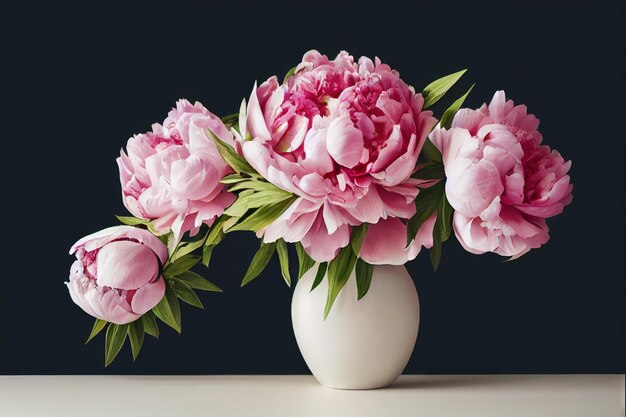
(98, 325)
(135, 335)
(115, 337)
(256, 185)
(430, 151)
(289, 74)
(448, 115)
(256, 200)
(197, 282)
(231, 118)
(259, 262)
(185, 293)
(215, 236)
(438, 88)
(263, 216)
(150, 325)
(230, 156)
(442, 230)
(182, 264)
(186, 248)
(207, 251)
(283, 258)
(426, 203)
(163, 238)
(237, 209)
(445, 211)
(305, 262)
(339, 270)
(171, 245)
(132, 221)
(230, 222)
(216, 232)
(235, 178)
(319, 276)
(435, 251)
(429, 171)
(357, 236)
(168, 309)
(363, 272)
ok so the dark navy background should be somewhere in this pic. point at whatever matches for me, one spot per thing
(80, 79)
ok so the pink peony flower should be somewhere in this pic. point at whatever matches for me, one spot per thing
(344, 137)
(117, 273)
(172, 174)
(501, 182)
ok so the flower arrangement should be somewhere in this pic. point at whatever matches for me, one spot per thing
(342, 159)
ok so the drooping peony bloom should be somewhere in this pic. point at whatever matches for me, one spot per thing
(344, 137)
(117, 273)
(501, 181)
(172, 174)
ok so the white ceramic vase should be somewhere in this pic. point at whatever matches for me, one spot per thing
(362, 344)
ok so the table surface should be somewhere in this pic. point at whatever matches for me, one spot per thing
(302, 396)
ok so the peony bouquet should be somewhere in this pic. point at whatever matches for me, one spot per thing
(342, 159)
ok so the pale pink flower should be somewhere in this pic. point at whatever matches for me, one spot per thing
(117, 273)
(342, 136)
(501, 182)
(172, 174)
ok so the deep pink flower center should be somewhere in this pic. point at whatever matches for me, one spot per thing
(159, 142)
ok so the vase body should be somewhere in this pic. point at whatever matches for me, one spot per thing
(362, 344)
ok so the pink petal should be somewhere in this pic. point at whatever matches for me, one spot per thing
(391, 108)
(552, 203)
(156, 201)
(365, 125)
(126, 265)
(322, 246)
(497, 106)
(115, 309)
(344, 142)
(468, 119)
(273, 167)
(317, 157)
(294, 136)
(390, 152)
(370, 208)
(148, 296)
(424, 236)
(194, 178)
(77, 289)
(255, 122)
(400, 169)
(314, 185)
(201, 144)
(513, 189)
(213, 208)
(396, 202)
(519, 224)
(271, 108)
(104, 236)
(472, 190)
(334, 217)
(450, 142)
(472, 236)
(385, 243)
(159, 165)
(294, 223)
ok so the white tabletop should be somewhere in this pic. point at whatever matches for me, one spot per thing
(302, 396)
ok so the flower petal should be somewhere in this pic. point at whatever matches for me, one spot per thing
(148, 296)
(344, 142)
(323, 246)
(126, 265)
